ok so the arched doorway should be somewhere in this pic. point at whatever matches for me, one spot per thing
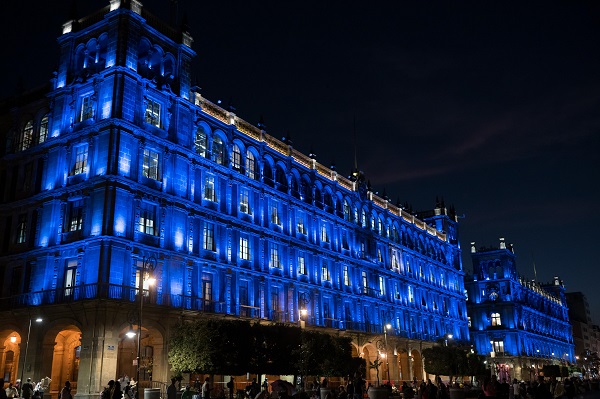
(151, 346)
(65, 357)
(9, 355)
(417, 364)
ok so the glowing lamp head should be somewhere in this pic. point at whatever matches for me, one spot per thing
(13, 339)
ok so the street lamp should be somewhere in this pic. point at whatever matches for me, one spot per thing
(387, 360)
(148, 266)
(303, 301)
(446, 338)
(37, 320)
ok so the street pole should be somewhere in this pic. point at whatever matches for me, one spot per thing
(387, 353)
(38, 320)
(148, 265)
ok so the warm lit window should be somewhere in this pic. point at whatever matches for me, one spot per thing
(208, 237)
(495, 319)
(244, 248)
(498, 346)
(236, 158)
(81, 159)
(75, 215)
(250, 165)
(22, 229)
(302, 265)
(346, 276)
(147, 223)
(245, 201)
(43, 129)
(200, 141)
(209, 188)
(274, 256)
(150, 164)
(87, 108)
(152, 115)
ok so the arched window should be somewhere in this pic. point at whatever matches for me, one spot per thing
(495, 319)
(43, 129)
(268, 175)
(250, 165)
(218, 150)
(236, 158)
(281, 178)
(27, 137)
(346, 211)
(200, 141)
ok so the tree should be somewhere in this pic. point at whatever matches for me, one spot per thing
(453, 361)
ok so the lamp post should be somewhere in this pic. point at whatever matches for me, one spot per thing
(37, 320)
(303, 301)
(446, 338)
(387, 360)
(148, 266)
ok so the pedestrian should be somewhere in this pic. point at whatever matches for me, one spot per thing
(107, 392)
(172, 390)
(2, 391)
(11, 391)
(206, 389)
(65, 393)
(27, 390)
(230, 387)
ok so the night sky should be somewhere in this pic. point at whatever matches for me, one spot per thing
(493, 106)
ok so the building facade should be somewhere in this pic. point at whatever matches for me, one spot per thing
(519, 325)
(121, 171)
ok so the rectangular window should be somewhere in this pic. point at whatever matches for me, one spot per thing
(236, 158)
(16, 282)
(208, 242)
(274, 256)
(396, 291)
(345, 240)
(498, 346)
(70, 275)
(75, 215)
(300, 224)
(275, 214)
(245, 201)
(381, 285)
(87, 108)
(324, 233)
(148, 219)
(206, 288)
(275, 299)
(152, 115)
(346, 276)
(81, 160)
(325, 272)
(150, 166)
(209, 189)
(365, 282)
(411, 294)
(302, 265)
(244, 248)
(22, 229)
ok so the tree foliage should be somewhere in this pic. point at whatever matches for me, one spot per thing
(453, 361)
(216, 346)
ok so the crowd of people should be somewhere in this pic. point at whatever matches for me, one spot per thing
(27, 390)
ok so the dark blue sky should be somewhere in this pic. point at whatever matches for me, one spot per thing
(494, 106)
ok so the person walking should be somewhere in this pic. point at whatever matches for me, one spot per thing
(27, 390)
(172, 390)
(230, 387)
(65, 393)
(11, 391)
(206, 389)
(2, 391)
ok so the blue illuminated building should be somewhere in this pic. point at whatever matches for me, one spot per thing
(519, 325)
(121, 167)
